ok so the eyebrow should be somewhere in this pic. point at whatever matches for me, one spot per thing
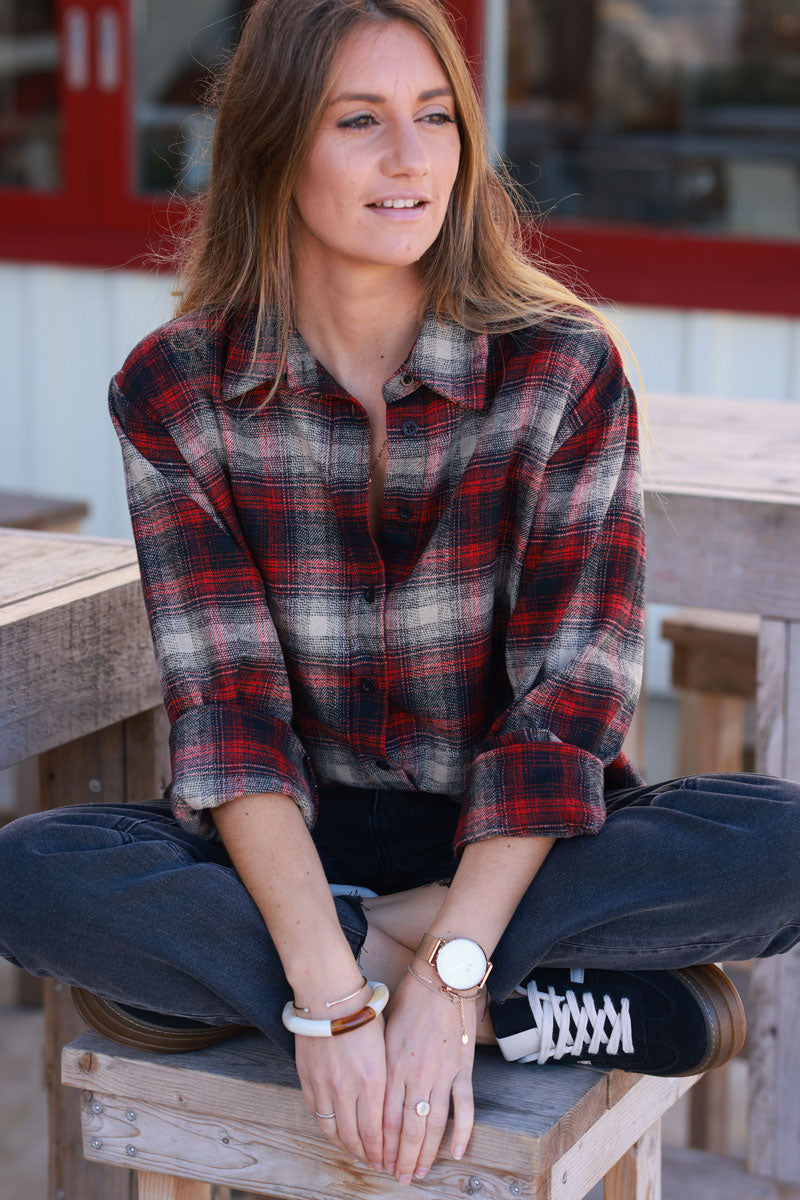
(372, 98)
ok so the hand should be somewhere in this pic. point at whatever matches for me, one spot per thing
(426, 1060)
(346, 1075)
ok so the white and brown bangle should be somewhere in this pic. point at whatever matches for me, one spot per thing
(307, 1027)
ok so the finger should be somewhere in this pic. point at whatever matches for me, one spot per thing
(369, 1110)
(463, 1112)
(392, 1124)
(434, 1129)
(328, 1124)
(347, 1122)
(412, 1134)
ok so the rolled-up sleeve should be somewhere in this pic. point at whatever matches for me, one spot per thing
(222, 670)
(574, 641)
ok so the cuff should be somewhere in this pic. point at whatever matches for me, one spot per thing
(219, 752)
(532, 788)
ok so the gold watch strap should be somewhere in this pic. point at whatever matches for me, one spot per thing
(429, 948)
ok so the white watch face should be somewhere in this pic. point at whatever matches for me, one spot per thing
(461, 963)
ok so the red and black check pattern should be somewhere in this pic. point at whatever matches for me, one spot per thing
(489, 649)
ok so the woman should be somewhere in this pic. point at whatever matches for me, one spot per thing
(383, 479)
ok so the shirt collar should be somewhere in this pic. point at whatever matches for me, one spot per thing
(446, 357)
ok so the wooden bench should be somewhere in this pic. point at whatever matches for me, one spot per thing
(52, 514)
(233, 1115)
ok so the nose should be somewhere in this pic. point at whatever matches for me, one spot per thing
(406, 153)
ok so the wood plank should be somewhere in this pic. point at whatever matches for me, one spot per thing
(709, 1111)
(751, 563)
(31, 510)
(637, 1175)
(544, 1109)
(714, 445)
(167, 1187)
(792, 756)
(601, 1147)
(711, 732)
(146, 752)
(734, 633)
(774, 1098)
(65, 776)
(35, 564)
(260, 1155)
(773, 643)
(75, 641)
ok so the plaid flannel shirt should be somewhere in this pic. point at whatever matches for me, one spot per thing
(489, 649)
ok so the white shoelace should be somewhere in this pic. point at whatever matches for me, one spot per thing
(553, 1012)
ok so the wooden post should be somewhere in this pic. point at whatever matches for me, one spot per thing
(774, 1065)
(124, 762)
(637, 1175)
(709, 1111)
(170, 1187)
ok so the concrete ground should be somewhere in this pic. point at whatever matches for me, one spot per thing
(23, 1112)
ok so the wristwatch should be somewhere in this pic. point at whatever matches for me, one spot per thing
(460, 963)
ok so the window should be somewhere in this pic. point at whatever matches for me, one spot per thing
(677, 116)
(684, 114)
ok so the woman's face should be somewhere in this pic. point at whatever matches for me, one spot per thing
(388, 134)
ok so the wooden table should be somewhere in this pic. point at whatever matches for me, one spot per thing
(78, 686)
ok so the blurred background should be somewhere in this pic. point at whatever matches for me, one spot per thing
(657, 143)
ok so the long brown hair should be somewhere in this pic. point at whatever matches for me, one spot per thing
(236, 245)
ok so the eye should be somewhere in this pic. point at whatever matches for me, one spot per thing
(358, 122)
(439, 118)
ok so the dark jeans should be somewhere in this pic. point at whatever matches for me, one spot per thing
(120, 899)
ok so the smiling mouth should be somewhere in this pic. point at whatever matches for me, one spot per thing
(395, 205)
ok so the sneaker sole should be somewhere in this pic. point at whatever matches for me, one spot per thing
(724, 1011)
(118, 1026)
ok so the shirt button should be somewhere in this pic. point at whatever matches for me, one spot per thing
(404, 512)
(410, 428)
(383, 764)
(369, 594)
(367, 686)
(406, 380)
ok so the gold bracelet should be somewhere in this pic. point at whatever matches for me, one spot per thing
(452, 995)
(333, 1003)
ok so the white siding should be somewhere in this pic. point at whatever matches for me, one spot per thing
(63, 333)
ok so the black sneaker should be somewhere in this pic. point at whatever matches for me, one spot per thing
(677, 1022)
